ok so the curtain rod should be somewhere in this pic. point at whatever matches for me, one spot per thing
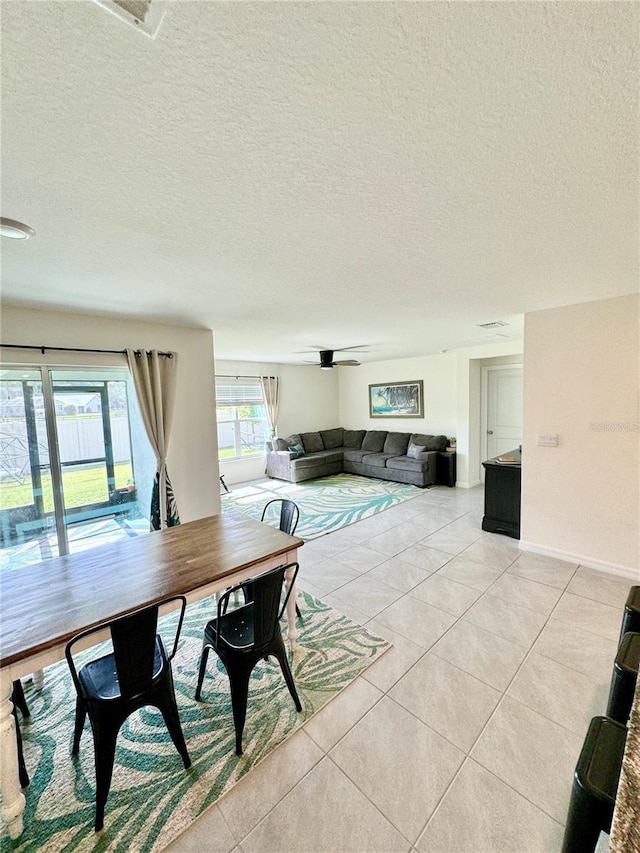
(75, 349)
(239, 376)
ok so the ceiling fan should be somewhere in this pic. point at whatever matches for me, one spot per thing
(327, 361)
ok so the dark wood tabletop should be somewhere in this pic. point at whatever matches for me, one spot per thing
(46, 604)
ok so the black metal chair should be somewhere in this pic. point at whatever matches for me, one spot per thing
(288, 521)
(18, 700)
(111, 688)
(289, 514)
(243, 636)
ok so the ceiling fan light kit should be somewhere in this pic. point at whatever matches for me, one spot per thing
(15, 230)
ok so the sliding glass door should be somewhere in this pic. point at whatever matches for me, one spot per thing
(73, 459)
(27, 522)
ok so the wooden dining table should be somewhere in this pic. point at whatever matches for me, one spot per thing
(625, 827)
(44, 605)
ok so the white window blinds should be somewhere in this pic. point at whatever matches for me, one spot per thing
(238, 392)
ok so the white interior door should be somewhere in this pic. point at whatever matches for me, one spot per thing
(503, 409)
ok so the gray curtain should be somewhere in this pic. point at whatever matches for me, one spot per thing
(154, 378)
(271, 391)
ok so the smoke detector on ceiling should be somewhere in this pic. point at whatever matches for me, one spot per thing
(495, 324)
(144, 15)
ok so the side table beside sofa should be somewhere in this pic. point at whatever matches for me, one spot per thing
(401, 457)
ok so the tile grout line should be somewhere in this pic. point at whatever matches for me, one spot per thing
(491, 716)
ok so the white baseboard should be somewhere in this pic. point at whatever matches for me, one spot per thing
(588, 562)
(463, 484)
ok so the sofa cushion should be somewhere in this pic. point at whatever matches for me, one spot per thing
(414, 450)
(332, 437)
(328, 455)
(298, 449)
(353, 438)
(396, 443)
(374, 440)
(317, 460)
(431, 442)
(279, 444)
(311, 441)
(307, 462)
(292, 439)
(355, 455)
(403, 463)
(377, 460)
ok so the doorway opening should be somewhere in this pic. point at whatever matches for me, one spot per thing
(501, 409)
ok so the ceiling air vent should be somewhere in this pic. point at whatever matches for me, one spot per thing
(144, 15)
(496, 324)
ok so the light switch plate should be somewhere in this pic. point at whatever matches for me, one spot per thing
(548, 439)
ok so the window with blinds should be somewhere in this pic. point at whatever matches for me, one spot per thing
(243, 428)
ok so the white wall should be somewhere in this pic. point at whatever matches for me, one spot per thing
(581, 379)
(193, 453)
(438, 373)
(308, 401)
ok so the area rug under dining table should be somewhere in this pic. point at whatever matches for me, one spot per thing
(325, 504)
(152, 798)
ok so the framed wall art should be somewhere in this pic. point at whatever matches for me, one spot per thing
(396, 400)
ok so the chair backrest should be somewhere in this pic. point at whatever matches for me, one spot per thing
(266, 605)
(134, 643)
(289, 514)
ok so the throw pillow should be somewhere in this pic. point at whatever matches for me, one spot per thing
(298, 449)
(414, 451)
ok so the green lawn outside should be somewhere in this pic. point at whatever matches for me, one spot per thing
(230, 453)
(81, 486)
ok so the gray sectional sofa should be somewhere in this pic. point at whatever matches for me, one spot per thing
(402, 457)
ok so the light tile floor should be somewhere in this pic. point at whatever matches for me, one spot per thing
(465, 734)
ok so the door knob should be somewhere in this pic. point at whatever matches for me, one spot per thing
(489, 432)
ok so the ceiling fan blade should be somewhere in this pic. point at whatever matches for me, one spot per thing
(325, 349)
(348, 363)
(357, 347)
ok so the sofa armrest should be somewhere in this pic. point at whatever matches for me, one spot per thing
(279, 464)
(431, 457)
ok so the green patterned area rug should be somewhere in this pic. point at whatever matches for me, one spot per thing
(326, 504)
(152, 797)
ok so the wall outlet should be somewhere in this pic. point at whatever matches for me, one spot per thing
(548, 439)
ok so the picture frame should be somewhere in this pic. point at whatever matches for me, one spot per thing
(397, 399)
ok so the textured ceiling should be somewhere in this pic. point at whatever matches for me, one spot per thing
(298, 175)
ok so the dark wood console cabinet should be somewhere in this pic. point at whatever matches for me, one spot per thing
(502, 496)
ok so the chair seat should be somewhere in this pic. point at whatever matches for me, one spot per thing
(236, 628)
(99, 679)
